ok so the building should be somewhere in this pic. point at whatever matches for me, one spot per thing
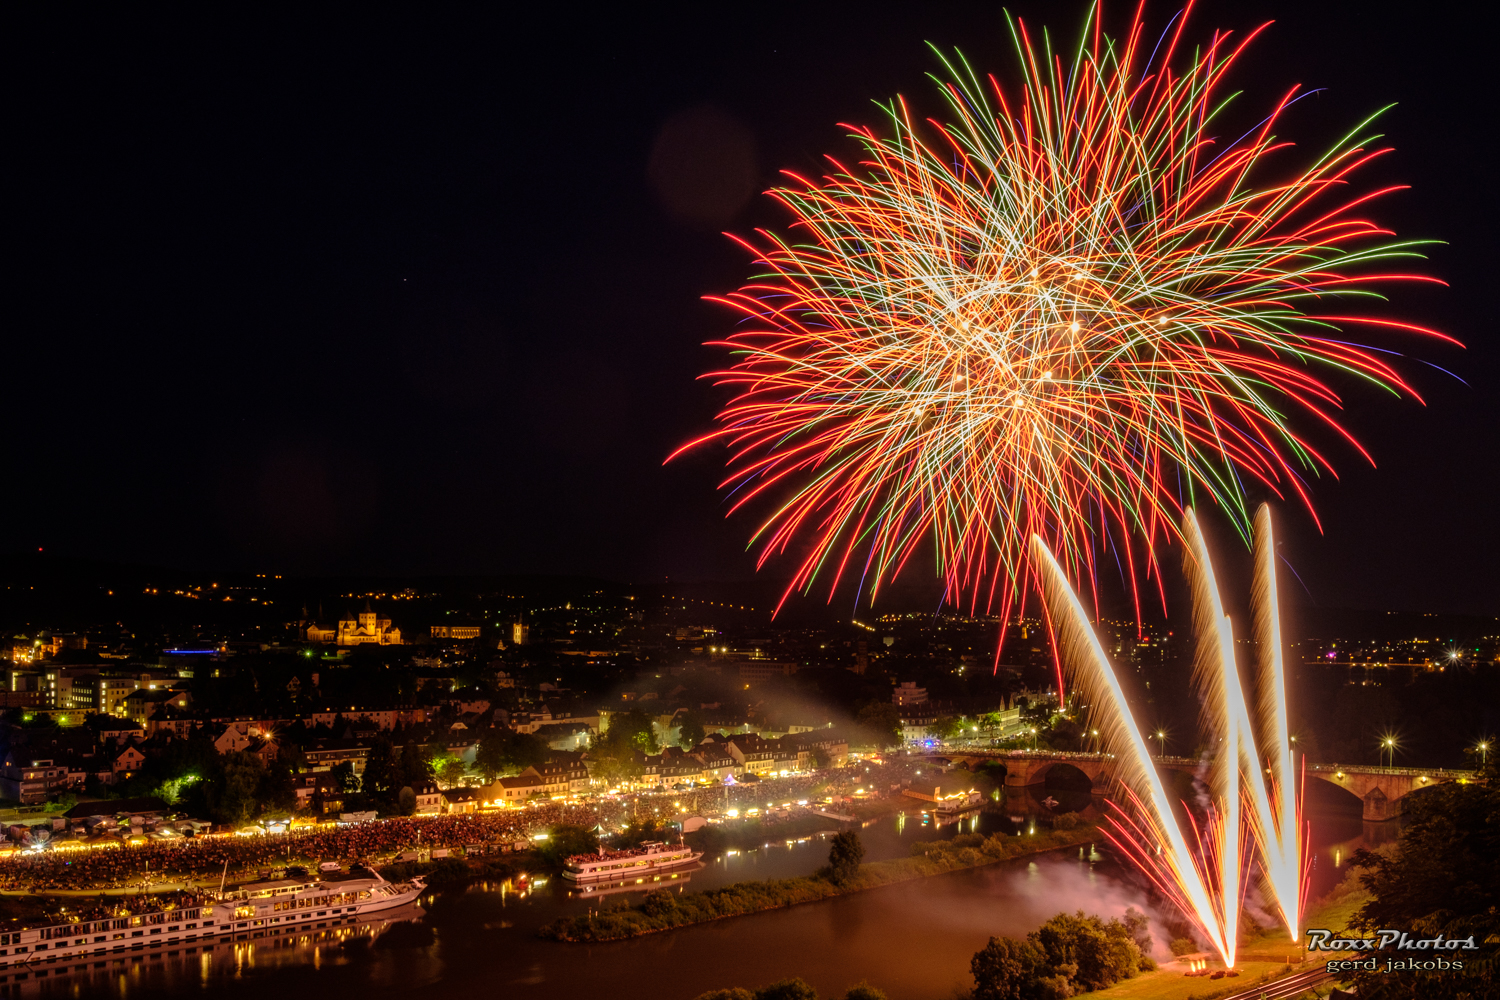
(514, 791)
(909, 694)
(231, 739)
(429, 798)
(917, 721)
(368, 628)
(141, 704)
(761, 756)
(123, 764)
(762, 670)
(31, 779)
(833, 746)
(320, 633)
(378, 718)
(562, 775)
(455, 631)
(520, 632)
(460, 801)
(324, 755)
(113, 730)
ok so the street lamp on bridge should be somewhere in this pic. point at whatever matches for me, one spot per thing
(1388, 746)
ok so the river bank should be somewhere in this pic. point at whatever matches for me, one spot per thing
(663, 910)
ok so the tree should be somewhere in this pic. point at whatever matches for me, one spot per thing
(1443, 878)
(1103, 954)
(566, 840)
(690, 730)
(1137, 925)
(864, 991)
(416, 765)
(844, 857)
(1007, 969)
(633, 729)
(450, 770)
(231, 793)
(348, 781)
(277, 792)
(990, 721)
(382, 771)
(503, 751)
(946, 728)
(406, 800)
(882, 722)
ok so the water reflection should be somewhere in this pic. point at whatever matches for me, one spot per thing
(484, 939)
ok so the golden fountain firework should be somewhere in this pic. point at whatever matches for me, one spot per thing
(1202, 863)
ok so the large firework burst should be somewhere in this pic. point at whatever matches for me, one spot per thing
(1069, 308)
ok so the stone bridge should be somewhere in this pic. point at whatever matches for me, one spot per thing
(1380, 789)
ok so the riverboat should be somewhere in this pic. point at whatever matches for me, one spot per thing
(43, 975)
(641, 862)
(283, 904)
(959, 802)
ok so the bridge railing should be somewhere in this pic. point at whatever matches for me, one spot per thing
(1015, 754)
(1406, 772)
(1403, 772)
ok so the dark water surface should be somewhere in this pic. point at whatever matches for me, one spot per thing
(913, 940)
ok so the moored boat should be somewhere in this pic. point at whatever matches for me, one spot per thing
(644, 861)
(281, 904)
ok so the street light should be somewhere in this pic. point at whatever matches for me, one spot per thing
(1484, 753)
(1389, 743)
(1161, 737)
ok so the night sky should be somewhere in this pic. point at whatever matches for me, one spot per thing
(414, 293)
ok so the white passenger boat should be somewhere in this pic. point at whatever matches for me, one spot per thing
(85, 974)
(959, 802)
(284, 905)
(641, 862)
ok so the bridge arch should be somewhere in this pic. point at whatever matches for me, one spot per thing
(1062, 774)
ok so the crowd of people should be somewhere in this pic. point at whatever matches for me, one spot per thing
(197, 858)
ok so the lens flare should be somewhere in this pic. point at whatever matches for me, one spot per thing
(1070, 307)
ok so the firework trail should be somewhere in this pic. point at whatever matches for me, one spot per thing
(1253, 812)
(1067, 308)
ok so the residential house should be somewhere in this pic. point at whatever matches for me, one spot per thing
(123, 764)
(460, 801)
(29, 780)
(761, 756)
(113, 730)
(429, 798)
(324, 755)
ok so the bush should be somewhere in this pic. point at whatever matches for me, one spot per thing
(1069, 954)
(1067, 821)
(844, 857)
(787, 989)
(1182, 946)
(659, 903)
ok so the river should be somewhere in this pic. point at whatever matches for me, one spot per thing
(913, 940)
